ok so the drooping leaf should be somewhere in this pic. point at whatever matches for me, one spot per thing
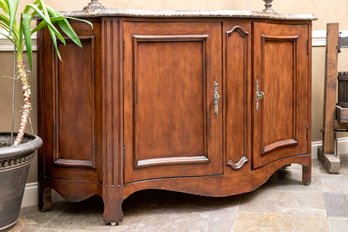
(5, 19)
(43, 24)
(12, 10)
(65, 26)
(69, 31)
(54, 41)
(51, 27)
(5, 24)
(25, 27)
(7, 37)
(81, 20)
(4, 6)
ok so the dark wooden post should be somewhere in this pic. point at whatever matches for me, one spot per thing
(326, 153)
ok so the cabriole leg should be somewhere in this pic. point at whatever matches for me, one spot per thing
(45, 199)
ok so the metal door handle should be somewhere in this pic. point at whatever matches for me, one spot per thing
(259, 95)
(216, 98)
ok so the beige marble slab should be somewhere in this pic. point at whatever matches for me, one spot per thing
(278, 222)
(189, 13)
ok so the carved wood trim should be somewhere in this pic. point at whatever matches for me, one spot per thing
(57, 160)
(282, 143)
(172, 161)
(239, 164)
(169, 38)
(294, 140)
(240, 30)
(244, 35)
(74, 163)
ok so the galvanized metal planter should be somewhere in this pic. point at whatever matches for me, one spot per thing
(14, 166)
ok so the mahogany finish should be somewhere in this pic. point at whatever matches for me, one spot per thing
(208, 106)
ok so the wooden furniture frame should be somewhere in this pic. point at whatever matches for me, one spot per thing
(208, 105)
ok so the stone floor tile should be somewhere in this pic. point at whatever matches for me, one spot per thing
(36, 219)
(290, 202)
(334, 183)
(336, 204)
(315, 167)
(185, 220)
(275, 222)
(30, 229)
(80, 216)
(51, 230)
(338, 224)
(169, 211)
(344, 163)
(283, 200)
(291, 179)
(19, 226)
(149, 211)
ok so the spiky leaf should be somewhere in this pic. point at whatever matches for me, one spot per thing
(51, 27)
(12, 10)
(25, 26)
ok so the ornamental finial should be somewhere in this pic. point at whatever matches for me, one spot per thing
(268, 7)
(92, 6)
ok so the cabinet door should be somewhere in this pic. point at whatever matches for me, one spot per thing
(281, 92)
(171, 127)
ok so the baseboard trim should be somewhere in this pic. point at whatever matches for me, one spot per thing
(31, 190)
(30, 197)
(342, 148)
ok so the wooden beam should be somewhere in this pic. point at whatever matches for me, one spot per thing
(330, 86)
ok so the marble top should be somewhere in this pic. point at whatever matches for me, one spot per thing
(188, 13)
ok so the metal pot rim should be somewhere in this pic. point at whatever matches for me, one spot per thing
(32, 143)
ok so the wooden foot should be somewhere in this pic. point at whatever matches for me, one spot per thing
(113, 213)
(306, 174)
(45, 199)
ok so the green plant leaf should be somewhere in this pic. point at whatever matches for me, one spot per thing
(54, 41)
(4, 6)
(5, 24)
(5, 19)
(69, 31)
(51, 27)
(7, 37)
(65, 26)
(12, 10)
(26, 26)
(81, 20)
(43, 24)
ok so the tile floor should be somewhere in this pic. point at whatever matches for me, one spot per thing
(282, 204)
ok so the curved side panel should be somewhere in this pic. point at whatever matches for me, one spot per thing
(73, 190)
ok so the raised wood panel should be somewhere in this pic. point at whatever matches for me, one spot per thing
(281, 72)
(236, 80)
(70, 107)
(75, 96)
(157, 86)
(169, 78)
(278, 117)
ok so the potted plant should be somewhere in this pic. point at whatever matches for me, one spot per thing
(16, 149)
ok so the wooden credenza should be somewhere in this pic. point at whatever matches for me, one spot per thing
(209, 103)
